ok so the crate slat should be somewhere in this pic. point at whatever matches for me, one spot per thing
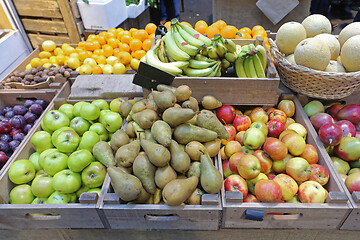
(37, 39)
(49, 26)
(69, 21)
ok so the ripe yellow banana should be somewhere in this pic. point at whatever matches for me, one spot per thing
(239, 65)
(174, 51)
(200, 64)
(191, 72)
(192, 32)
(262, 55)
(182, 44)
(249, 67)
(258, 67)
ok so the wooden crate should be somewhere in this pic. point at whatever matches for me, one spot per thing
(328, 215)
(46, 216)
(234, 90)
(57, 20)
(160, 216)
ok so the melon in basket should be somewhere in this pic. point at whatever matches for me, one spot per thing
(334, 66)
(316, 24)
(312, 53)
(350, 30)
(291, 58)
(288, 37)
(350, 54)
(332, 43)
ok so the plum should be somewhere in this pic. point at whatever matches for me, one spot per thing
(19, 110)
(19, 136)
(5, 127)
(9, 114)
(14, 144)
(4, 146)
(41, 102)
(36, 109)
(28, 103)
(17, 121)
(27, 128)
(6, 138)
(30, 117)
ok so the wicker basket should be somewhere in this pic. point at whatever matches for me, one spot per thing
(314, 83)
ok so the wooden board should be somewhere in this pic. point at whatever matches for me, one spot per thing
(328, 215)
(38, 8)
(46, 26)
(69, 21)
(37, 39)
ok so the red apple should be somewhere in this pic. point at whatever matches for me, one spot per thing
(294, 143)
(258, 115)
(288, 186)
(222, 154)
(238, 112)
(226, 114)
(233, 161)
(320, 119)
(246, 150)
(312, 192)
(261, 126)
(347, 127)
(287, 106)
(299, 128)
(232, 133)
(348, 149)
(232, 147)
(269, 110)
(265, 161)
(268, 191)
(319, 174)
(310, 154)
(226, 169)
(240, 137)
(242, 123)
(275, 127)
(330, 134)
(279, 166)
(350, 112)
(248, 166)
(3, 159)
(252, 182)
(334, 109)
(276, 149)
(278, 114)
(271, 176)
(250, 198)
(236, 183)
(298, 168)
(357, 134)
(285, 132)
(289, 121)
(352, 182)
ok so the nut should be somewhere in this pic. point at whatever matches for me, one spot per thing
(27, 83)
(51, 73)
(27, 72)
(22, 74)
(33, 83)
(67, 74)
(18, 79)
(37, 78)
(42, 79)
(34, 71)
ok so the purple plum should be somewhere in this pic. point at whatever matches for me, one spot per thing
(19, 137)
(30, 117)
(4, 146)
(9, 114)
(6, 138)
(36, 109)
(14, 144)
(19, 110)
(41, 102)
(28, 103)
(27, 128)
(17, 121)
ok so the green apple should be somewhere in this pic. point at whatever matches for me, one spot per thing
(89, 111)
(115, 104)
(96, 190)
(39, 201)
(53, 162)
(41, 141)
(34, 158)
(93, 175)
(45, 153)
(102, 114)
(39, 173)
(88, 140)
(77, 109)
(67, 181)
(21, 171)
(101, 103)
(79, 160)
(41, 186)
(56, 133)
(55, 119)
(67, 141)
(100, 130)
(81, 190)
(112, 121)
(254, 138)
(21, 194)
(67, 109)
(80, 125)
(261, 126)
(45, 128)
(58, 197)
(73, 197)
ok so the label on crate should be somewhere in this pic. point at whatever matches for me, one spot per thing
(149, 77)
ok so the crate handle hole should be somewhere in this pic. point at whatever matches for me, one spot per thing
(162, 218)
(22, 99)
(43, 216)
(285, 216)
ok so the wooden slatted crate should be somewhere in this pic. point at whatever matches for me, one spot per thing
(57, 20)
(328, 215)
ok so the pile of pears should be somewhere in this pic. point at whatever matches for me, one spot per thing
(164, 152)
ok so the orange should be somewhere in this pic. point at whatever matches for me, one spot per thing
(260, 33)
(108, 50)
(116, 51)
(112, 42)
(220, 24)
(78, 49)
(113, 30)
(146, 45)
(211, 31)
(141, 34)
(126, 39)
(102, 40)
(98, 51)
(97, 70)
(256, 27)
(138, 54)
(119, 30)
(150, 28)
(245, 29)
(124, 47)
(229, 32)
(81, 44)
(91, 36)
(90, 46)
(167, 25)
(83, 55)
(242, 35)
(186, 23)
(152, 36)
(132, 31)
(124, 57)
(120, 34)
(101, 59)
(96, 44)
(201, 26)
(135, 44)
(103, 34)
(109, 35)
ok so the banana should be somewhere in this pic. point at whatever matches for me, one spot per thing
(180, 64)
(169, 57)
(201, 57)
(212, 53)
(218, 72)
(200, 64)
(189, 38)
(162, 53)
(174, 51)
(249, 67)
(258, 67)
(239, 65)
(238, 49)
(225, 63)
(230, 45)
(182, 44)
(153, 60)
(213, 73)
(191, 72)
(262, 55)
(220, 49)
(204, 51)
(196, 35)
(230, 56)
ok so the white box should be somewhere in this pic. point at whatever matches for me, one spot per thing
(102, 14)
(135, 10)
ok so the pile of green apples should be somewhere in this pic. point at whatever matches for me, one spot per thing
(65, 164)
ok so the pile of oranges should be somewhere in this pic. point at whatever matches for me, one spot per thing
(110, 52)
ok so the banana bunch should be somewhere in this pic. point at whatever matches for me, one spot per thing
(251, 62)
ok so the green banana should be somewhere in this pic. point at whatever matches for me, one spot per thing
(180, 64)
(218, 72)
(201, 57)
(213, 73)
(153, 60)
(258, 67)
(174, 51)
(204, 51)
(225, 63)
(239, 65)
(212, 53)
(238, 49)
(249, 67)
(230, 56)
(189, 38)
(182, 44)
(220, 49)
(200, 64)
(191, 72)
(192, 32)
(230, 45)
(262, 55)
